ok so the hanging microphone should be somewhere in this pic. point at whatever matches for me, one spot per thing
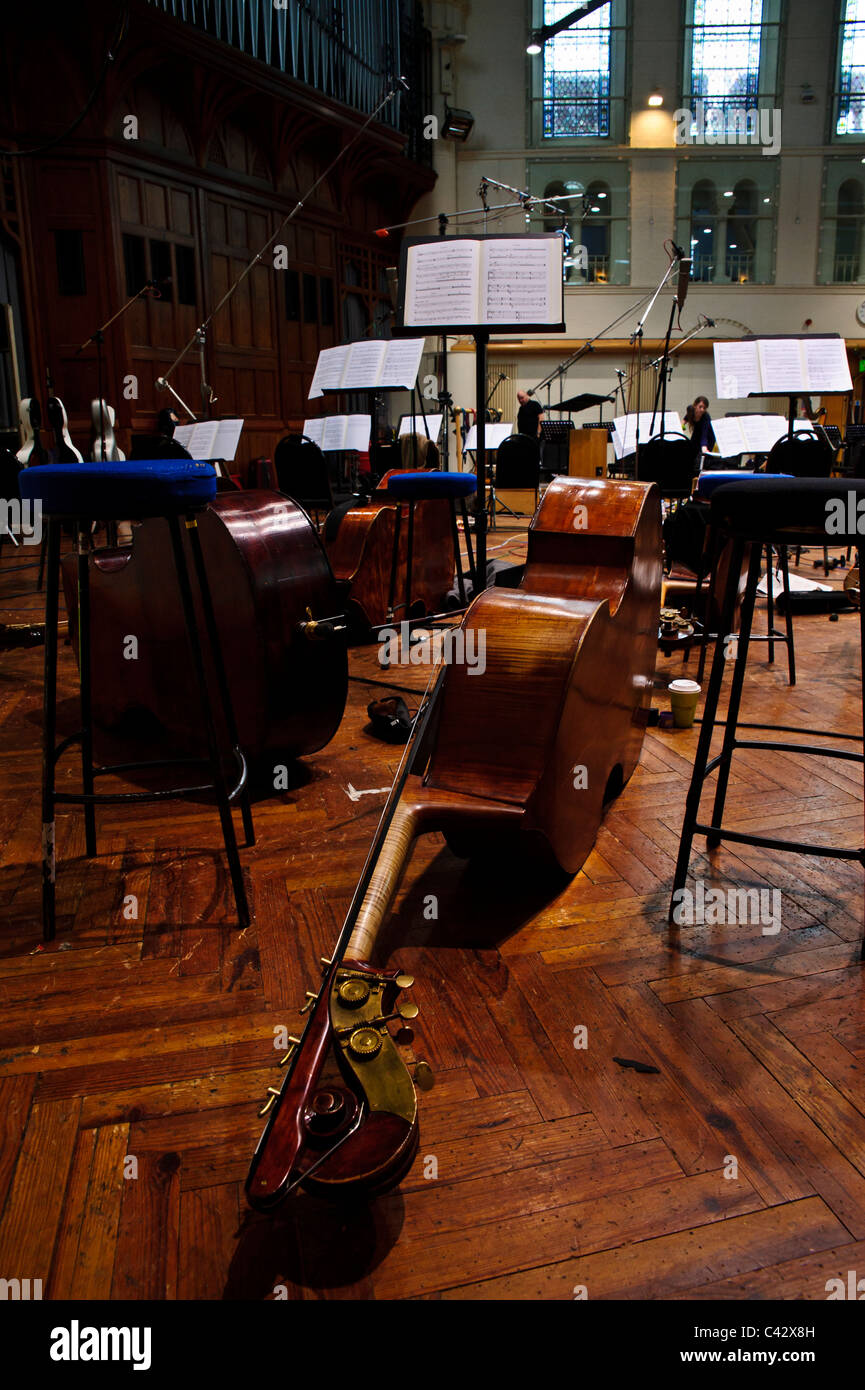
(684, 277)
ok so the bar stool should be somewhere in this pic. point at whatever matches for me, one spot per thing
(707, 484)
(781, 512)
(429, 487)
(81, 494)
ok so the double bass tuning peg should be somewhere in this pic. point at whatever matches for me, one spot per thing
(272, 1097)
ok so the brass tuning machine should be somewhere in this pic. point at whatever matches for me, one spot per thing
(272, 1098)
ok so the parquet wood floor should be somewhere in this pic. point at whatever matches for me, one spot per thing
(734, 1169)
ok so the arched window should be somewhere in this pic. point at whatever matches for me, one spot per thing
(704, 226)
(595, 232)
(742, 224)
(850, 209)
(552, 223)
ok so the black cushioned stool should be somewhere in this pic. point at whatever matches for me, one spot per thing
(780, 512)
(428, 487)
(81, 494)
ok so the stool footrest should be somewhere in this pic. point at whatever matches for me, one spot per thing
(164, 794)
(740, 837)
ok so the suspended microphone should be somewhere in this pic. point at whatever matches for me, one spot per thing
(684, 277)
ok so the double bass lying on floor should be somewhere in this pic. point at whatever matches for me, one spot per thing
(528, 751)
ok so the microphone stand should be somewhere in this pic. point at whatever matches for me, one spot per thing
(637, 336)
(98, 337)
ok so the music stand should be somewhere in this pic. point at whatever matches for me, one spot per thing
(475, 312)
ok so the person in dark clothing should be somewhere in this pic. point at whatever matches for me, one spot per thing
(699, 423)
(529, 415)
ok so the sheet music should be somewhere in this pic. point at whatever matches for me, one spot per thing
(826, 365)
(314, 429)
(402, 362)
(728, 437)
(333, 433)
(737, 369)
(433, 426)
(781, 367)
(357, 432)
(210, 439)
(493, 436)
(625, 429)
(328, 370)
(363, 365)
(517, 285)
(227, 439)
(442, 281)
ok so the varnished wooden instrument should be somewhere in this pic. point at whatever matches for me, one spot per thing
(274, 602)
(524, 754)
(361, 555)
(32, 449)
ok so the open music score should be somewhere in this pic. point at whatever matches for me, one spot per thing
(210, 439)
(433, 426)
(368, 365)
(752, 434)
(782, 366)
(499, 282)
(338, 432)
(495, 435)
(624, 429)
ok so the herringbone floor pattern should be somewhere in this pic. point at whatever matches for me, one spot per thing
(734, 1169)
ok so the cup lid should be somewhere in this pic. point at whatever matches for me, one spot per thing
(685, 687)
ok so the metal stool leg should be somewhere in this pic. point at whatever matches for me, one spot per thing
(219, 667)
(714, 547)
(770, 599)
(394, 564)
(860, 554)
(85, 687)
(710, 710)
(457, 556)
(49, 726)
(738, 682)
(223, 804)
(788, 615)
(470, 555)
(409, 559)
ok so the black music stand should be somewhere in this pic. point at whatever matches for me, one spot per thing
(557, 433)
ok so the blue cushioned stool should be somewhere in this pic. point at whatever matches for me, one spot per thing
(430, 487)
(81, 494)
(707, 484)
(780, 512)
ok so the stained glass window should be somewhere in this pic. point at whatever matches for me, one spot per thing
(850, 98)
(576, 98)
(730, 60)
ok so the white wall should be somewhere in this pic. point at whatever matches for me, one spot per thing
(490, 78)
